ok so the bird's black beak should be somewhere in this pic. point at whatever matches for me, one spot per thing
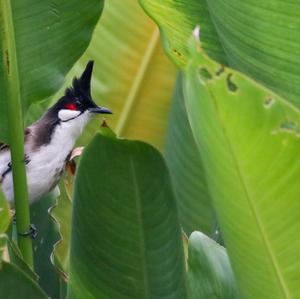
(100, 110)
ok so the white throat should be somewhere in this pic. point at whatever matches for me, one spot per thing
(70, 127)
(49, 160)
(66, 115)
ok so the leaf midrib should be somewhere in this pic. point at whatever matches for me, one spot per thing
(137, 198)
(137, 82)
(255, 213)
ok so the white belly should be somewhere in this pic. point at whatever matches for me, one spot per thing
(7, 182)
(42, 175)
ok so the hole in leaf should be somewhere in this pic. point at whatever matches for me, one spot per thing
(205, 74)
(268, 102)
(288, 126)
(220, 70)
(231, 85)
(7, 62)
(179, 54)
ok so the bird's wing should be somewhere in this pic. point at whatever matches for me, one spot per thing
(3, 146)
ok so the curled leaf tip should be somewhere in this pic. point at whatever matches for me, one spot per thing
(106, 130)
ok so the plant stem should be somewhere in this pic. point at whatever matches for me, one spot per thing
(16, 132)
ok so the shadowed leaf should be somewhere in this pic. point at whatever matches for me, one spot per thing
(249, 141)
(126, 241)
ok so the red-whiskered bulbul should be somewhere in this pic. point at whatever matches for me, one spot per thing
(50, 140)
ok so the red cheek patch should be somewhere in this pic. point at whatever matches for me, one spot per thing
(71, 107)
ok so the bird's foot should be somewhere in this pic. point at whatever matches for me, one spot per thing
(26, 159)
(32, 232)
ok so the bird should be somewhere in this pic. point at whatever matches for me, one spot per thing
(49, 141)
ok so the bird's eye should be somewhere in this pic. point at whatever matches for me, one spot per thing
(71, 106)
(78, 104)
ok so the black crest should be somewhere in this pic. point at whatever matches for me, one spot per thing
(78, 97)
(81, 87)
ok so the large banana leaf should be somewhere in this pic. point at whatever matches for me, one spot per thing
(186, 169)
(177, 19)
(47, 38)
(126, 238)
(249, 140)
(259, 38)
(210, 275)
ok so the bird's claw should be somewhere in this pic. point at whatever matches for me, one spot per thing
(26, 159)
(32, 232)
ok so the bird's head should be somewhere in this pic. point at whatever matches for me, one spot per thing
(77, 103)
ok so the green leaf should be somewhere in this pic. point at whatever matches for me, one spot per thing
(43, 244)
(262, 40)
(186, 168)
(15, 258)
(134, 63)
(249, 141)
(126, 238)
(210, 275)
(49, 38)
(16, 284)
(62, 214)
(176, 20)
(16, 273)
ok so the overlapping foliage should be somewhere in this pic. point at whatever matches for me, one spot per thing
(231, 150)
